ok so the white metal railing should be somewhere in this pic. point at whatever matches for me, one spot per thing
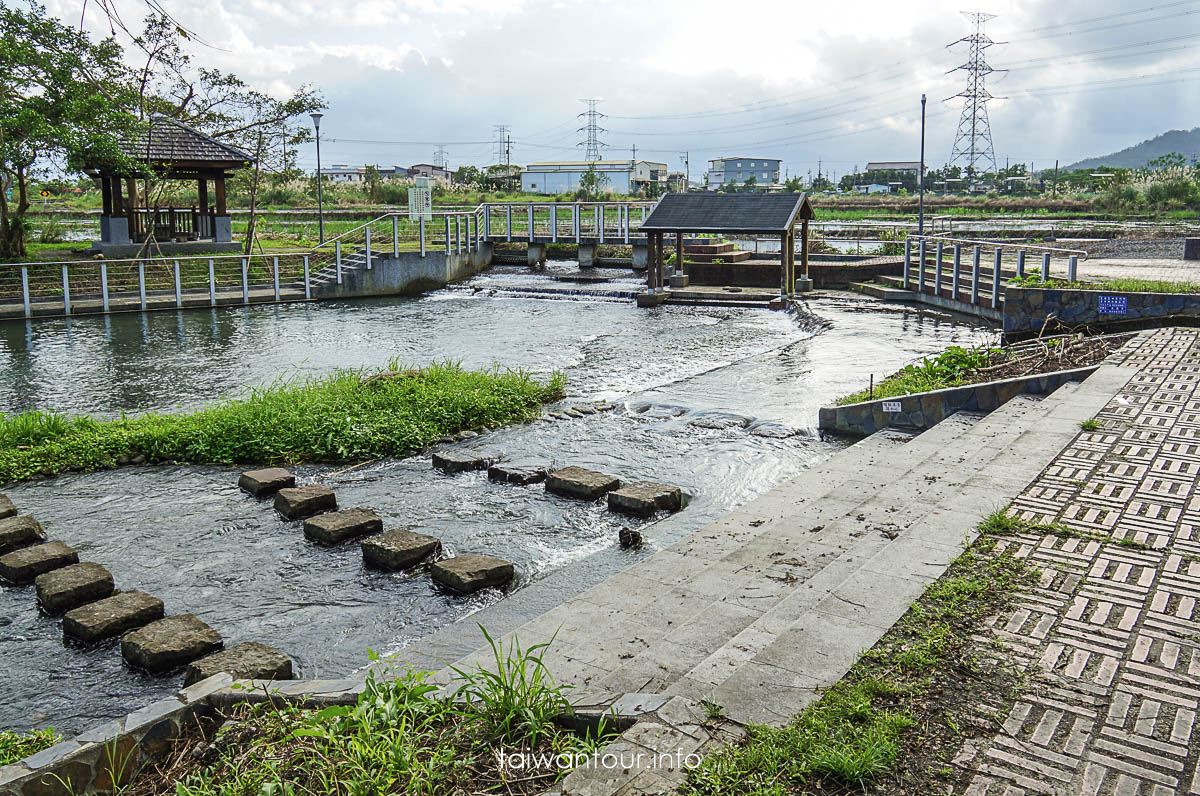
(982, 279)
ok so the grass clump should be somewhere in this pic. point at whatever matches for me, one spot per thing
(16, 746)
(348, 415)
(890, 721)
(1118, 285)
(951, 368)
(1091, 424)
(401, 737)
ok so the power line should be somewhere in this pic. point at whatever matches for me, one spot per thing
(973, 141)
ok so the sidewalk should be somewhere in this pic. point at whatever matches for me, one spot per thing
(1110, 636)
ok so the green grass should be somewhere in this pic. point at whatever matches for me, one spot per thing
(16, 746)
(1114, 285)
(1001, 523)
(949, 369)
(881, 722)
(400, 738)
(1091, 424)
(339, 417)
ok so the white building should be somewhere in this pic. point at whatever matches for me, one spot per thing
(616, 176)
(723, 171)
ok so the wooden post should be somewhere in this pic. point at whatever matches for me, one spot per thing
(219, 182)
(804, 246)
(783, 267)
(678, 252)
(650, 262)
(106, 196)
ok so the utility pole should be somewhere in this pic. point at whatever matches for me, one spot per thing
(973, 141)
(508, 150)
(921, 176)
(634, 158)
(1055, 188)
(687, 171)
(592, 143)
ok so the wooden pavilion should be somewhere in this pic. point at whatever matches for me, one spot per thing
(171, 151)
(698, 214)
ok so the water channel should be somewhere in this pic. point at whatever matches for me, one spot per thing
(186, 535)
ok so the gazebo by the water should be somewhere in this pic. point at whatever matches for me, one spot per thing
(171, 151)
(758, 214)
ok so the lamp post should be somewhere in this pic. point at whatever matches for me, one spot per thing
(921, 176)
(316, 117)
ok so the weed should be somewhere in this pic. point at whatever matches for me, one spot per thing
(1091, 424)
(712, 711)
(948, 369)
(16, 746)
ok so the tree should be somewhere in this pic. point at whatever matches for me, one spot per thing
(468, 175)
(591, 182)
(63, 101)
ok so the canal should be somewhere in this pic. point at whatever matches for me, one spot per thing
(185, 534)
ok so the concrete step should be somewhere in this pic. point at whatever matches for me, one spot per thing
(881, 291)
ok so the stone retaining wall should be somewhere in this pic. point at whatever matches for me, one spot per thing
(924, 410)
(406, 274)
(766, 274)
(1026, 310)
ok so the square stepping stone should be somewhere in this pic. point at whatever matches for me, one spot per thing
(111, 617)
(247, 661)
(163, 645)
(470, 573)
(268, 481)
(22, 566)
(579, 482)
(73, 586)
(463, 459)
(398, 549)
(643, 498)
(7, 509)
(19, 531)
(517, 473)
(334, 527)
(298, 502)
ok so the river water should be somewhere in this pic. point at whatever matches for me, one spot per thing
(186, 534)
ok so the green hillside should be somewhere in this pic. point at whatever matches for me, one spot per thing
(1185, 142)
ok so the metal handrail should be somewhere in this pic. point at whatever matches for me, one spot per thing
(998, 244)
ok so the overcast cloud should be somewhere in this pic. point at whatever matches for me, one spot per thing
(838, 82)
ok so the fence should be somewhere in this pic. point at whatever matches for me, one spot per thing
(990, 264)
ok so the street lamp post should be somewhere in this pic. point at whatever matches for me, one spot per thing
(316, 117)
(921, 176)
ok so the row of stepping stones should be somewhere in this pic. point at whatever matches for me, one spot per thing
(391, 551)
(640, 499)
(84, 594)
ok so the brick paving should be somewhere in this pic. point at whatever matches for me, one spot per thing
(1110, 635)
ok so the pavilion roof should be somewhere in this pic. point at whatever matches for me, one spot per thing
(169, 142)
(728, 212)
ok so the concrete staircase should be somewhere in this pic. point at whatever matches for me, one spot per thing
(891, 288)
(775, 600)
(353, 259)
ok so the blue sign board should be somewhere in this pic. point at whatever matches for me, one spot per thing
(1114, 305)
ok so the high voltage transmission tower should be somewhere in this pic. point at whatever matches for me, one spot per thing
(440, 157)
(973, 142)
(503, 144)
(592, 145)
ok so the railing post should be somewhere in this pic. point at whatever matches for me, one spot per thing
(529, 213)
(1073, 268)
(996, 278)
(1046, 266)
(142, 284)
(178, 287)
(368, 252)
(25, 292)
(907, 260)
(554, 223)
(307, 287)
(275, 275)
(337, 258)
(577, 223)
(104, 285)
(212, 284)
(66, 282)
(245, 280)
(975, 277)
(625, 222)
(422, 236)
(447, 220)
(921, 266)
(395, 237)
(457, 234)
(600, 214)
(1021, 264)
(957, 265)
(937, 271)
(508, 222)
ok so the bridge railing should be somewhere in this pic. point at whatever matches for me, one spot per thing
(564, 222)
(935, 264)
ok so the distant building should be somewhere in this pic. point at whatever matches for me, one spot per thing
(677, 182)
(617, 176)
(341, 174)
(723, 171)
(873, 188)
(432, 172)
(912, 166)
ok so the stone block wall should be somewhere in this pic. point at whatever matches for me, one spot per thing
(406, 274)
(1027, 309)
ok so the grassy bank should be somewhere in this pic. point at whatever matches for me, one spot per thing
(890, 725)
(349, 415)
(1114, 285)
(16, 746)
(949, 369)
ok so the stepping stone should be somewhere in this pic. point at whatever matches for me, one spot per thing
(335, 527)
(517, 473)
(70, 587)
(22, 566)
(261, 483)
(161, 646)
(578, 482)
(18, 532)
(643, 498)
(398, 549)
(720, 420)
(470, 573)
(463, 459)
(298, 502)
(111, 617)
(7, 509)
(247, 661)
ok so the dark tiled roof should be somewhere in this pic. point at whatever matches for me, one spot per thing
(170, 141)
(727, 212)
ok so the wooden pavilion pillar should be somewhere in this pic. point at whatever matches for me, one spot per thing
(219, 182)
(106, 201)
(783, 264)
(678, 252)
(651, 264)
(804, 246)
(202, 197)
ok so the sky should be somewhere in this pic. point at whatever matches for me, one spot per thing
(826, 85)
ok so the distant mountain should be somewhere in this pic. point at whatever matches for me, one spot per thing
(1185, 142)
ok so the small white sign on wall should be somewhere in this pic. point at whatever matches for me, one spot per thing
(891, 406)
